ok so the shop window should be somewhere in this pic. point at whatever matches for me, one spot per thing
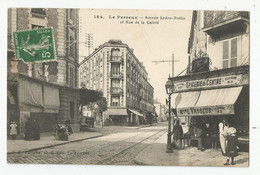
(230, 53)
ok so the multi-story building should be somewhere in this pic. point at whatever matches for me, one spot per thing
(47, 92)
(223, 36)
(217, 85)
(114, 69)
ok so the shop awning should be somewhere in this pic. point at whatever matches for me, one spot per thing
(30, 94)
(135, 112)
(51, 100)
(207, 102)
(38, 96)
(116, 111)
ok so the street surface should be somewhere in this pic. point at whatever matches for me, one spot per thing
(119, 146)
(125, 146)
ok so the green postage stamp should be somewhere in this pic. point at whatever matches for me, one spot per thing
(34, 45)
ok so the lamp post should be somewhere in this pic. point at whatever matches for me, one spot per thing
(169, 90)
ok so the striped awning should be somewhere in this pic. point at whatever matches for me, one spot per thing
(207, 102)
(135, 112)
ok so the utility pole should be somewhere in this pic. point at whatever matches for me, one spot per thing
(89, 41)
(166, 61)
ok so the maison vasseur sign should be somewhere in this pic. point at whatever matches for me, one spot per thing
(209, 82)
(207, 110)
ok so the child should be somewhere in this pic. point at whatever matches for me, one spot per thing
(231, 147)
(13, 130)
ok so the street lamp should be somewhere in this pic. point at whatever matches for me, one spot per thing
(169, 90)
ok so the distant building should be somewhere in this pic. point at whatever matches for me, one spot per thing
(160, 111)
(114, 69)
(47, 92)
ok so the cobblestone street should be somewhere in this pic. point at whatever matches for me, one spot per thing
(120, 147)
(125, 146)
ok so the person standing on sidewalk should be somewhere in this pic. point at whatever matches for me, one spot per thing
(223, 126)
(232, 145)
(13, 130)
(177, 132)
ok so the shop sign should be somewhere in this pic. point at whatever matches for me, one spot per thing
(208, 110)
(209, 83)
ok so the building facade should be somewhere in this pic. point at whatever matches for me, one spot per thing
(114, 69)
(219, 42)
(58, 77)
(223, 36)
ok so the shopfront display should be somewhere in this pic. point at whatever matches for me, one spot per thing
(209, 97)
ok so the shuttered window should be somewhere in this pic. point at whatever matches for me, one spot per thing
(230, 53)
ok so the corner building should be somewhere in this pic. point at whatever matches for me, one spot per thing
(46, 92)
(114, 69)
(216, 85)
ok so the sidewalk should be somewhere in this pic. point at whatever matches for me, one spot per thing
(46, 141)
(155, 154)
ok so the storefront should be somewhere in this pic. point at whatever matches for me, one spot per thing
(44, 102)
(209, 97)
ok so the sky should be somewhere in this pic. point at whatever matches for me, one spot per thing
(153, 34)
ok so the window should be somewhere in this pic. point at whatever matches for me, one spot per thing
(71, 76)
(115, 83)
(71, 14)
(37, 27)
(38, 12)
(115, 101)
(72, 47)
(115, 69)
(230, 53)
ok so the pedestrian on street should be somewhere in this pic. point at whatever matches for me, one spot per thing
(232, 145)
(35, 130)
(13, 130)
(199, 133)
(28, 130)
(223, 126)
(177, 133)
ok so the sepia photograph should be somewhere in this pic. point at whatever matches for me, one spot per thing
(128, 87)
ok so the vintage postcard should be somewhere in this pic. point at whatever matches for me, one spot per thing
(128, 87)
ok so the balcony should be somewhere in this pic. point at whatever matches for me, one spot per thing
(113, 75)
(117, 59)
(116, 91)
(216, 22)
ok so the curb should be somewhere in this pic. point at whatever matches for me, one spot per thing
(49, 146)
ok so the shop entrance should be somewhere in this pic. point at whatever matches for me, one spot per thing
(47, 121)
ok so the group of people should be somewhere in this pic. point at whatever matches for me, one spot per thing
(207, 136)
(62, 132)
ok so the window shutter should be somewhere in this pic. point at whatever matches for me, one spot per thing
(234, 48)
(225, 49)
(234, 52)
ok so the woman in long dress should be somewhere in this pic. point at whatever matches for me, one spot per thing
(223, 126)
(232, 146)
